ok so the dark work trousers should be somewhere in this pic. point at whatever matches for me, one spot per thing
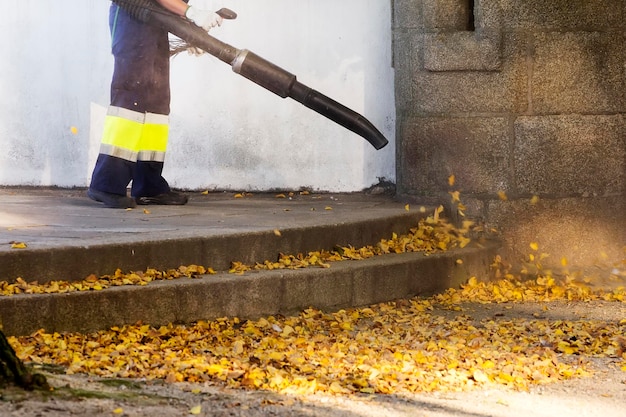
(140, 84)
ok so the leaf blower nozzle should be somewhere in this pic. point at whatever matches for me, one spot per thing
(254, 68)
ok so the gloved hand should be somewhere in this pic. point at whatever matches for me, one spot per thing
(195, 51)
(206, 19)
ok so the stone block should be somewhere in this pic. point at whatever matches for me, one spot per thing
(504, 91)
(446, 15)
(570, 155)
(462, 51)
(405, 64)
(474, 208)
(561, 15)
(474, 149)
(584, 231)
(577, 73)
(407, 14)
(488, 14)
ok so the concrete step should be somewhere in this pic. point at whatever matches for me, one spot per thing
(68, 238)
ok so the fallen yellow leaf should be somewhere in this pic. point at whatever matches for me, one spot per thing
(456, 196)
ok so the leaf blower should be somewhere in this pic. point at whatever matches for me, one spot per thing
(253, 67)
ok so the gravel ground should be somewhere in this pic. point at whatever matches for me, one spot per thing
(602, 394)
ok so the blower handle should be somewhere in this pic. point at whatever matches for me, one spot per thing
(225, 13)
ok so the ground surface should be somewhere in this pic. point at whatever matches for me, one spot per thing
(601, 394)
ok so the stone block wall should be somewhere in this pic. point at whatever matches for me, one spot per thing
(523, 99)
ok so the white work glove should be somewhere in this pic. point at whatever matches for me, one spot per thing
(195, 51)
(207, 20)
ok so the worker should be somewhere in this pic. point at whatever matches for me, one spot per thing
(136, 126)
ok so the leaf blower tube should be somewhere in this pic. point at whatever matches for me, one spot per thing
(254, 68)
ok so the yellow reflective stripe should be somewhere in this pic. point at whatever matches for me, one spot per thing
(122, 133)
(154, 138)
(131, 135)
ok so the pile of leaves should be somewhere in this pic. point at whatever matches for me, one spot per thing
(398, 347)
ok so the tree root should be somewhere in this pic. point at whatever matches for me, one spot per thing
(13, 370)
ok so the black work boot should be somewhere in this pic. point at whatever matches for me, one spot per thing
(111, 200)
(170, 198)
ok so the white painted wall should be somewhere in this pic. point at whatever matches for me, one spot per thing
(226, 132)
